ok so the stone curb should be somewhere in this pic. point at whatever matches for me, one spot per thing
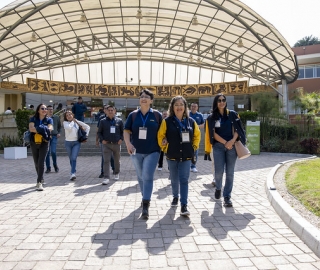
(308, 233)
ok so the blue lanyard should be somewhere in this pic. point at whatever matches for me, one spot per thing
(144, 120)
(112, 121)
(182, 124)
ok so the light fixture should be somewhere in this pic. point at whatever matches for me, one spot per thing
(240, 43)
(50, 101)
(195, 20)
(240, 75)
(77, 60)
(86, 57)
(139, 55)
(139, 14)
(199, 62)
(33, 37)
(31, 71)
(83, 18)
(190, 58)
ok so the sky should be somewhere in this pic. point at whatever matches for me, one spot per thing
(294, 19)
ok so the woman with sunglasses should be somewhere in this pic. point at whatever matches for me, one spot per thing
(71, 127)
(224, 129)
(140, 136)
(40, 126)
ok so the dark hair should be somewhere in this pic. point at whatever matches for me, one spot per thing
(9, 108)
(215, 110)
(79, 97)
(65, 115)
(173, 101)
(108, 106)
(147, 92)
(49, 106)
(31, 106)
(36, 115)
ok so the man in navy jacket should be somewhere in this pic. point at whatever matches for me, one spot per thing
(79, 109)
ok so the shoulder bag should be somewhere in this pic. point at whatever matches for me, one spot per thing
(242, 150)
(82, 134)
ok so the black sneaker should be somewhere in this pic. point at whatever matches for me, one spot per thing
(56, 169)
(217, 194)
(175, 202)
(101, 175)
(227, 202)
(48, 170)
(184, 210)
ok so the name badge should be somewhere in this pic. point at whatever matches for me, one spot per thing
(112, 129)
(142, 133)
(217, 125)
(185, 137)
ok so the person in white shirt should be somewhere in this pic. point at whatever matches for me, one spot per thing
(8, 111)
(71, 126)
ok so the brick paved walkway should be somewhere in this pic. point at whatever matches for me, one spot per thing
(84, 225)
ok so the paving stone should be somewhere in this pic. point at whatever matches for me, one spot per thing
(84, 225)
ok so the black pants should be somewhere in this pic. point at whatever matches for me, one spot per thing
(160, 162)
(39, 153)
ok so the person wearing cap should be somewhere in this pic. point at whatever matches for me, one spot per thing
(79, 109)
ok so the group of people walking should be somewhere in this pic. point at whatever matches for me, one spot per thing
(148, 135)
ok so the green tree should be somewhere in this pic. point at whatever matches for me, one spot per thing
(268, 110)
(308, 40)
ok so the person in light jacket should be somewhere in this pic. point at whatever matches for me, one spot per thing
(71, 126)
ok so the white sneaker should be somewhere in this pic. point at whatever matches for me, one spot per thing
(105, 181)
(159, 168)
(39, 187)
(73, 177)
(194, 170)
(213, 182)
(116, 177)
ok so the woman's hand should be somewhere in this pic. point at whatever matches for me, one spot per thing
(229, 145)
(130, 149)
(164, 142)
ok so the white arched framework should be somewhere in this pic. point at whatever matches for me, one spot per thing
(150, 41)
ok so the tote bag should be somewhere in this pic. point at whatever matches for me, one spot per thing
(242, 151)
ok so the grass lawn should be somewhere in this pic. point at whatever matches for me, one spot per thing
(303, 181)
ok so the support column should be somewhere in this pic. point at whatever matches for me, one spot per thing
(2, 103)
(285, 101)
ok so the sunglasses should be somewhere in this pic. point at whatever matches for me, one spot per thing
(44, 109)
(147, 97)
(221, 100)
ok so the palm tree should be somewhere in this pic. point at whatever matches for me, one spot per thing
(308, 40)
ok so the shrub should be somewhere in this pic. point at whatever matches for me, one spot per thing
(7, 141)
(22, 121)
(248, 116)
(311, 145)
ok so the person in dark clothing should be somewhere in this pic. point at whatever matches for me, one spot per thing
(110, 133)
(40, 126)
(224, 128)
(79, 109)
(179, 137)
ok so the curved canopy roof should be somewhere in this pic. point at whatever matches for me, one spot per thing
(223, 35)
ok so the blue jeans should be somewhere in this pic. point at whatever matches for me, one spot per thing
(196, 159)
(73, 148)
(145, 165)
(224, 159)
(179, 176)
(52, 151)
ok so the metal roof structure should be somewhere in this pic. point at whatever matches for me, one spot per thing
(222, 35)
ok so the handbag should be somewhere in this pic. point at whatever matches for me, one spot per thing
(82, 134)
(26, 136)
(242, 150)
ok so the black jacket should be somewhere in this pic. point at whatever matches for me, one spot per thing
(236, 123)
(104, 130)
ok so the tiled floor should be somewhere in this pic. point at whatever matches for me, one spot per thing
(85, 225)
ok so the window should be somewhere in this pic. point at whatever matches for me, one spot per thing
(308, 71)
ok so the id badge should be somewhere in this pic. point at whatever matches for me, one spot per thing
(217, 125)
(142, 133)
(112, 129)
(185, 137)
